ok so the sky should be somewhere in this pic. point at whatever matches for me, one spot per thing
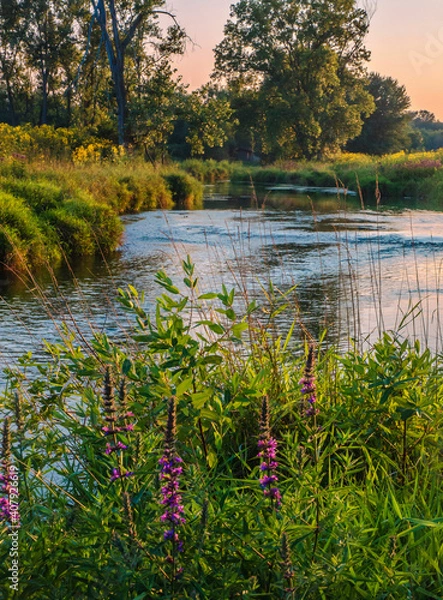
(405, 38)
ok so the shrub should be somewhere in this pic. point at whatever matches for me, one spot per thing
(208, 171)
(145, 193)
(105, 225)
(187, 192)
(207, 458)
(22, 238)
(75, 233)
(39, 195)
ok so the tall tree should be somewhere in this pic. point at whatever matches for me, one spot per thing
(48, 41)
(120, 22)
(388, 128)
(303, 61)
(11, 47)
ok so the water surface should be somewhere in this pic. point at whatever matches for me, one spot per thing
(357, 271)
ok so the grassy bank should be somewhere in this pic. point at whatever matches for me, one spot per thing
(65, 209)
(62, 190)
(394, 176)
(207, 458)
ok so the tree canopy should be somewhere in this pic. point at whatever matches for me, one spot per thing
(388, 128)
(290, 79)
(301, 63)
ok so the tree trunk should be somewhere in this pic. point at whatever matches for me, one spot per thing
(118, 76)
(116, 59)
(44, 107)
(11, 102)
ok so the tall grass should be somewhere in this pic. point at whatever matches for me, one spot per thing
(399, 175)
(60, 208)
(361, 510)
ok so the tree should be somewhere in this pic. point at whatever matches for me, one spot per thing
(49, 42)
(11, 46)
(121, 22)
(301, 64)
(388, 128)
(154, 111)
(209, 118)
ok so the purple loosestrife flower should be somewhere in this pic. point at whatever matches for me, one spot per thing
(119, 446)
(267, 447)
(117, 474)
(170, 471)
(5, 487)
(112, 428)
(308, 388)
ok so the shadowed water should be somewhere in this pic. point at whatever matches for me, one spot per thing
(356, 271)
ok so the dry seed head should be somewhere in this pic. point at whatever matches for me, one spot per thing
(18, 411)
(122, 395)
(310, 362)
(171, 426)
(6, 440)
(286, 556)
(265, 431)
(108, 397)
(128, 513)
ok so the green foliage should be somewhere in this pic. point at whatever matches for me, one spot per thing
(415, 175)
(187, 192)
(388, 128)
(76, 208)
(295, 72)
(210, 120)
(39, 195)
(21, 234)
(208, 171)
(39, 218)
(361, 510)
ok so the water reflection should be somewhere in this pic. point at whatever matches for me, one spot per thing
(356, 271)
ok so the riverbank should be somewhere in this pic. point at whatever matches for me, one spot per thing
(207, 457)
(66, 210)
(393, 176)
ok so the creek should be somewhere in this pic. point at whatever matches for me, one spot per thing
(356, 270)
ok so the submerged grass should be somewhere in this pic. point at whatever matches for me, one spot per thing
(361, 512)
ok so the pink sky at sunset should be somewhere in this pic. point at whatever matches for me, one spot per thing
(406, 40)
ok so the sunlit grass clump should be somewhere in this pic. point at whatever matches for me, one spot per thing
(57, 210)
(208, 457)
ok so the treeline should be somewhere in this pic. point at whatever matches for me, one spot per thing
(290, 80)
(105, 67)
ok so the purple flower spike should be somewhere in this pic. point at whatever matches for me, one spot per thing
(267, 447)
(115, 474)
(170, 471)
(308, 387)
(112, 418)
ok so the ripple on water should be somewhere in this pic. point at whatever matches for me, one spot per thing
(386, 259)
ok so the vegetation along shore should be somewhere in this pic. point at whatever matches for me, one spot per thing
(61, 199)
(204, 457)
